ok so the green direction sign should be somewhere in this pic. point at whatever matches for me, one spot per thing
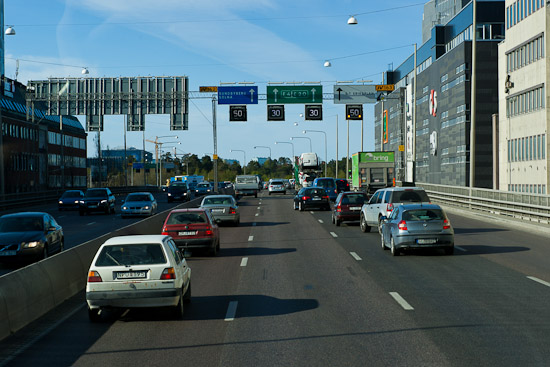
(294, 94)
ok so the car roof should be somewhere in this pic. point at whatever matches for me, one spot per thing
(139, 193)
(401, 188)
(188, 210)
(136, 239)
(353, 192)
(218, 196)
(419, 206)
(23, 214)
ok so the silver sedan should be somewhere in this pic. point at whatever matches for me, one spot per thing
(223, 208)
(417, 226)
(139, 204)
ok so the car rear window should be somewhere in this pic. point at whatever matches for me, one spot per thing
(423, 214)
(315, 192)
(354, 199)
(131, 254)
(276, 182)
(325, 183)
(217, 201)
(186, 218)
(410, 196)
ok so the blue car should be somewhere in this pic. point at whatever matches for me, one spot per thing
(329, 184)
(204, 188)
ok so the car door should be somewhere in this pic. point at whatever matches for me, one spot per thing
(373, 208)
(52, 232)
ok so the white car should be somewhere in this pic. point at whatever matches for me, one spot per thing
(139, 203)
(138, 271)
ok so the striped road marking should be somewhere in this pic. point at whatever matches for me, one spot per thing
(355, 256)
(244, 261)
(540, 281)
(250, 238)
(231, 311)
(401, 301)
(320, 220)
(333, 234)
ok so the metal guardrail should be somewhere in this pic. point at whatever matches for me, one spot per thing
(528, 207)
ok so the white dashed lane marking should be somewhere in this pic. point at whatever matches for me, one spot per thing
(333, 234)
(401, 301)
(540, 281)
(244, 261)
(250, 238)
(91, 223)
(355, 256)
(231, 311)
(320, 220)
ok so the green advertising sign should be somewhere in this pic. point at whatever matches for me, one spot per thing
(300, 94)
(377, 157)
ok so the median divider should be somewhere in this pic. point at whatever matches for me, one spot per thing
(28, 293)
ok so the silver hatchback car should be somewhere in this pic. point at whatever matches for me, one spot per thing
(224, 208)
(417, 226)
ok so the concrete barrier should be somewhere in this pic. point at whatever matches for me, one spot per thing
(28, 293)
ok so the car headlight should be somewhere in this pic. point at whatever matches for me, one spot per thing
(76, 201)
(60, 202)
(146, 207)
(31, 244)
(103, 201)
(208, 190)
(81, 201)
(184, 194)
(124, 208)
(169, 194)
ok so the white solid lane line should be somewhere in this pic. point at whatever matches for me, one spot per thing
(244, 261)
(401, 301)
(320, 220)
(250, 238)
(540, 281)
(231, 311)
(460, 248)
(355, 256)
(333, 234)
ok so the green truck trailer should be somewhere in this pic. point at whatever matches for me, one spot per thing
(372, 171)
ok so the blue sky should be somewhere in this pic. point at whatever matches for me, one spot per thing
(213, 42)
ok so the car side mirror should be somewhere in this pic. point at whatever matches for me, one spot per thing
(383, 219)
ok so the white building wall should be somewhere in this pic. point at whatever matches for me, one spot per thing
(524, 172)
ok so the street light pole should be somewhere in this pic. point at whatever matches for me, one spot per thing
(286, 142)
(244, 153)
(326, 156)
(264, 146)
(304, 137)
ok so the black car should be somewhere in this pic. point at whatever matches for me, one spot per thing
(70, 200)
(342, 185)
(311, 198)
(29, 236)
(177, 191)
(97, 200)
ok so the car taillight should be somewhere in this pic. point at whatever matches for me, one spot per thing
(402, 225)
(389, 208)
(208, 231)
(446, 224)
(335, 191)
(168, 273)
(164, 231)
(338, 208)
(94, 277)
(306, 197)
(232, 211)
(325, 197)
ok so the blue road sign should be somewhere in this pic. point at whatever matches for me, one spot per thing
(238, 95)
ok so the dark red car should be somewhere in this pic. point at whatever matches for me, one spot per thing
(193, 228)
(347, 207)
(342, 185)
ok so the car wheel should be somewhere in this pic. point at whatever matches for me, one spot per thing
(301, 206)
(255, 195)
(214, 250)
(449, 250)
(382, 242)
(333, 220)
(337, 222)
(108, 210)
(394, 250)
(93, 314)
(62, 245)
(187, 295)
(179, 309)
(269, 193)
(363, 225)
(294, 206)
(379, 226)
(113, 210)
(45, 252)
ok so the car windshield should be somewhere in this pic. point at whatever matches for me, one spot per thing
(21, 224)
(71, 194)
(354, 199)
(325, 183)
(423, 214)
(138, 197)
(131, 254)
(217, 201)
(410, 196)
(246, 180)
(203, 185)
(276, 182)
(186, 218)
(94, 193)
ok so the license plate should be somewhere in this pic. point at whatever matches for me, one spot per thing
(316, 199)
(131, 274)
(8, 253)
(218, 211)
(426, 241)
(355, 208)
(92, 206)
(187, 233)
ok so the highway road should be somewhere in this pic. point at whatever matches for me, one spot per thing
(289, 288)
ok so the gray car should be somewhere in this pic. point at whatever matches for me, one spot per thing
(139, 204)
(417, 226)
(223, 208)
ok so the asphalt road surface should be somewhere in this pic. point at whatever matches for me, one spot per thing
(289, 288)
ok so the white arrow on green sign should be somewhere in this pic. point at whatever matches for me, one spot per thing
(302, 94)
